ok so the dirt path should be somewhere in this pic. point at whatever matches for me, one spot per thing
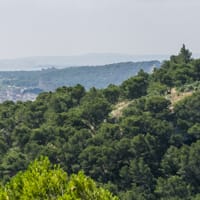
(118, 109)
(175, 96)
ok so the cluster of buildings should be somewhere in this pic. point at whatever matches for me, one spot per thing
(13, 93)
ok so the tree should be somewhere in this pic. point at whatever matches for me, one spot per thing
(190, 170)
(173, 188)
(112, 93)
(78, 92)
(187, 117)
(196, 68)
(156, 88)
(44, 181)
(157, 105)
(95, 111)
(185, 54)
(195, 131)
(171, 163)
(141, 174)
(136, 86)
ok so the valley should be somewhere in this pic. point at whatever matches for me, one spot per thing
(26, 85)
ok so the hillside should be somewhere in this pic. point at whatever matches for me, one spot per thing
(88, 76)
(174, 97)
(90, 59)
(146, 151)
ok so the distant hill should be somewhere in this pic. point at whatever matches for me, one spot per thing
(44, 62)
(88, 76)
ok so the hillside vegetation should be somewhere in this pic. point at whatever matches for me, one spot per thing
(148, 151)
(88, 76)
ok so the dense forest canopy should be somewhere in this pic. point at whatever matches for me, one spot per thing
(150, 150)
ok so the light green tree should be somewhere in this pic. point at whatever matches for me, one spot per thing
(44, 181)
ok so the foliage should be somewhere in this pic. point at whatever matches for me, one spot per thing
(173, 188)
(44, 181)
(88, 76)
(181, 69)
(150, 152)
(130, 87)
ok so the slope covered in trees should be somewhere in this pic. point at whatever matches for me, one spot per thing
(88, 76)
(150, 152)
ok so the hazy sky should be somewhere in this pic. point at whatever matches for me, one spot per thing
(71, 27)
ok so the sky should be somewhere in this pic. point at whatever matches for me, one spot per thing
(75, 27)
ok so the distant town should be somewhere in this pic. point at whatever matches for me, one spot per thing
(26, 85)
(13, 93)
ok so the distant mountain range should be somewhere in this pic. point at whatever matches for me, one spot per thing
(38, 63)
(88, 76)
